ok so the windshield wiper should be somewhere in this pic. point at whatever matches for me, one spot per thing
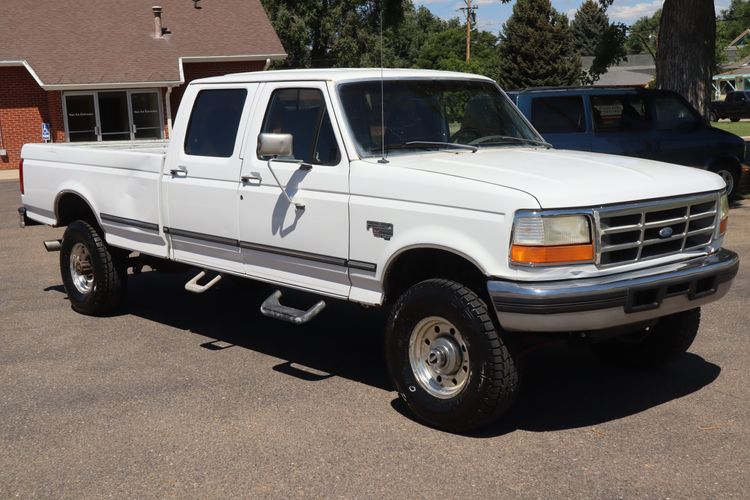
(471, 148)
(500, 139)
(426, 145)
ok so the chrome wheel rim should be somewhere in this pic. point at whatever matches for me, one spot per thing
(728, 179)
(439, 357)
(81, 268)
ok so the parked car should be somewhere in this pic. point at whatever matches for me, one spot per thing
(443, 206)
(736, 105)
(653, 124)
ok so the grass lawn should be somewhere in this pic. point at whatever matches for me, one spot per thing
(738, 128)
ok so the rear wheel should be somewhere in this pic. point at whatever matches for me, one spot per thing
(734, 119)
(668, 339)
(94, 274)
(449, 362)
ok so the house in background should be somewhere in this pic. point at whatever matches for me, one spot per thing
(637, 71)
(115, 70)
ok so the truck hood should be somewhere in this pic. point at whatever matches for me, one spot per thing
(562, 179)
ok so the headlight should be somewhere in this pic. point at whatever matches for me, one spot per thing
(551, 239)
(723, 214)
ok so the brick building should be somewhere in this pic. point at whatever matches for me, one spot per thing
(115, 70)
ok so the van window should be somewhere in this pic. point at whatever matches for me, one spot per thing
(558, 115)
(303, 113)
(672, 114)
(620, 113)
(212, 129)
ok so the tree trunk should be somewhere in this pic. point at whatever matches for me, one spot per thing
(684, 57)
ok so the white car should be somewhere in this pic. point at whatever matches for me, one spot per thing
(424, 192)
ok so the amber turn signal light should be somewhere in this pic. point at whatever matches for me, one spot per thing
(552, 254)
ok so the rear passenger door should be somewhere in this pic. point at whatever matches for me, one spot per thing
(622, 125)
(306, 248)
(562, 121)
(202, 179)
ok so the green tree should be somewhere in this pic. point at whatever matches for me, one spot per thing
(588, 26)
(446, 50)
(642, 35)
(536, 47)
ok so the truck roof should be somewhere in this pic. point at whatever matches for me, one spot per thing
(336, 75)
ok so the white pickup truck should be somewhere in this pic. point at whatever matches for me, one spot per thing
(424, 192)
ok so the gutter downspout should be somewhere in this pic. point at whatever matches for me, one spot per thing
(268, 63)
(168, 98)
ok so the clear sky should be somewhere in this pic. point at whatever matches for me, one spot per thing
(492, 13)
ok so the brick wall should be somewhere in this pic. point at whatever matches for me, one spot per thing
(24, 105)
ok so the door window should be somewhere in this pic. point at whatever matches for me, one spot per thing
(673, 114)
(303, 113)
(620, 113)
(214, 121)
(558, 115)
(80, 115)
(113, 115)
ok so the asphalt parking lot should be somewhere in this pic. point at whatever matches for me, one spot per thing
(200, 396)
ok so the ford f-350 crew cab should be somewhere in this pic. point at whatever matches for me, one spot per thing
(425, 192)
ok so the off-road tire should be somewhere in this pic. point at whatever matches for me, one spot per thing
(493, 378)
(109, 271)
(666, 341)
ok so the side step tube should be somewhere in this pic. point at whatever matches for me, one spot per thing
(53, 245)
(272, 308)
(193, 286)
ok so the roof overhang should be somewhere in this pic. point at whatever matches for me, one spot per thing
(127, 85)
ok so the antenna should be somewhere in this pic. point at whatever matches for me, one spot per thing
(382, 98)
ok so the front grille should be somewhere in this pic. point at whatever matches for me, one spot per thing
(640, 231)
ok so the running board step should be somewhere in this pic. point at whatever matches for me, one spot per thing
(195, 287)
(272, 308)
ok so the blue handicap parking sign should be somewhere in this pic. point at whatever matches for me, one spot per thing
(46, 136)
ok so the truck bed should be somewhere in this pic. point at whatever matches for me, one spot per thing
(95, 171)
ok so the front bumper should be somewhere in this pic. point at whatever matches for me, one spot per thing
(579, 305)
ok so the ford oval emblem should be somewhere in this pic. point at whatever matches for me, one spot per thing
(665, 232)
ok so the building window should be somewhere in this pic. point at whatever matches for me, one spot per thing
(113, 115)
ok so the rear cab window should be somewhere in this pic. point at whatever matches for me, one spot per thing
(214, 122)
(302, 112)
(620, 113)
(558, 115)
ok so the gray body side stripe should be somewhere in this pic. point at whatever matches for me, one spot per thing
(336, 261)
(149, 226)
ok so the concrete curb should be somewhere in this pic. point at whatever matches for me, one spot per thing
(8, 175)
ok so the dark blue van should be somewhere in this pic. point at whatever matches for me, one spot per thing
(654, 124)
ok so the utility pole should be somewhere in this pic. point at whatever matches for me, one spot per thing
(471, 17)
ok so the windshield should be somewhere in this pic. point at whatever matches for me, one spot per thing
(432, 114)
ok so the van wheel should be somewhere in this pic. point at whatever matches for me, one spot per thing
(667, 340)
(731, 176)
(94, 274)
(450, 364)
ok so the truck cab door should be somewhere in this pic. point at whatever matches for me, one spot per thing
(303, 247)
(202, 176)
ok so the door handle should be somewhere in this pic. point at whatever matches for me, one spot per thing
(252, 179)
(180, 171)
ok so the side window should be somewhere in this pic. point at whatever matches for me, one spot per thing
(303, 113)
(558, 115)
(672, 114)
(214, 120)
(620, 113)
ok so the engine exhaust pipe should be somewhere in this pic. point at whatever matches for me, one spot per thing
(53, 245)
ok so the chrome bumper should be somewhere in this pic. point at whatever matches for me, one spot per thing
(598, 303)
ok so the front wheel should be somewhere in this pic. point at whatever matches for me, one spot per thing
(731, 176)
(657, 345)
(450, 364)
(94, 274)
(712, 116)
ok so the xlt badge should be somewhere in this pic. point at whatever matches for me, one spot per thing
(380, 229)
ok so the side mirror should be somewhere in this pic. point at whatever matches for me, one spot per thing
(275, 144)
